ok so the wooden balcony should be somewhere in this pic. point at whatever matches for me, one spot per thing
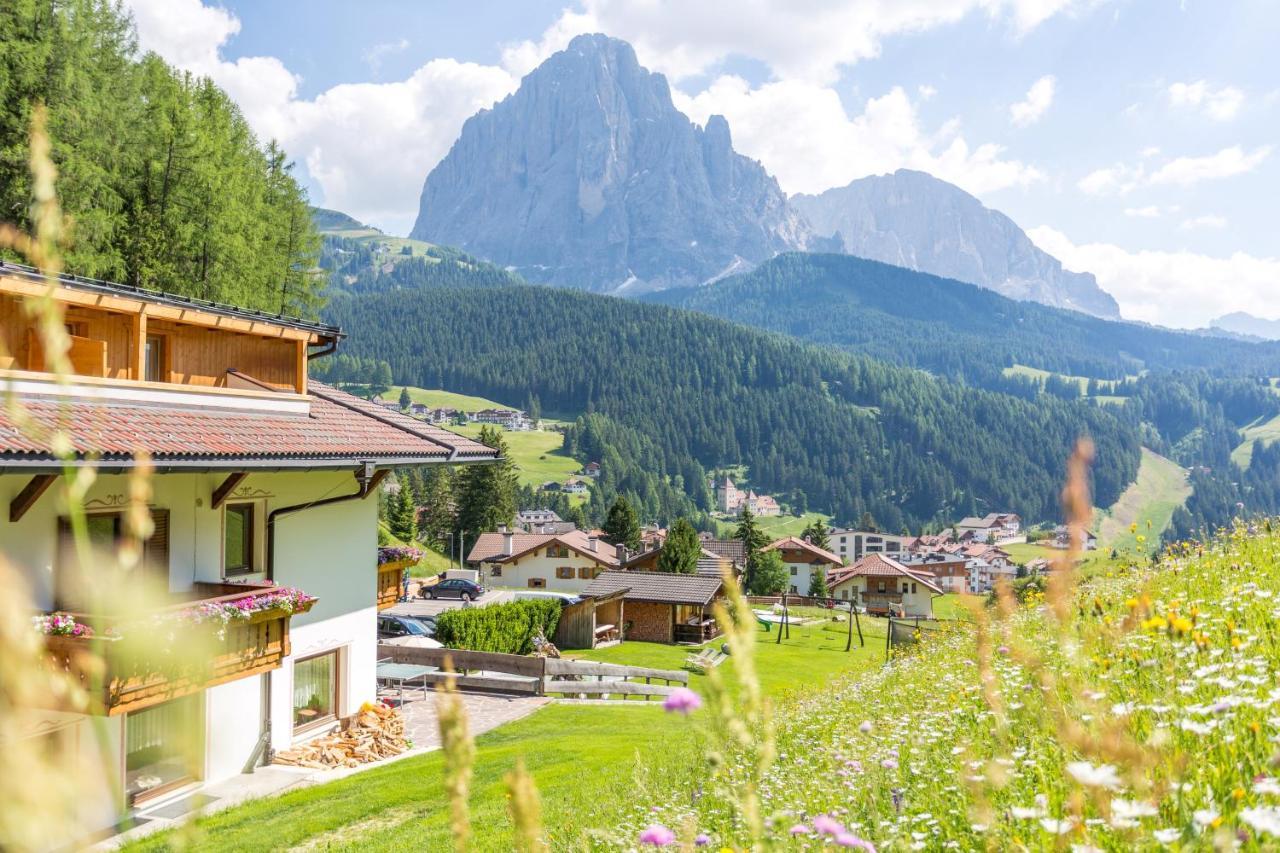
(389, 586)
(881, 602)
(167, 654)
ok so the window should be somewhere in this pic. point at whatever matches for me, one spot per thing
(793, 588)
(564, 572)
(162, 748)
(537, 583)
(879, 586)
(154, 359)
(315, 690)
(844, 593)
(75, 585)
(587, 572)
(238, 539)
(913, 589)
(557, 551)
(793, 571)
(495, 572)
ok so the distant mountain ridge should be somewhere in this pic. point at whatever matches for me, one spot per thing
(1248, 325)
(589, 176)
(911, 219)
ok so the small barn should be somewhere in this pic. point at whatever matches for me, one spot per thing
(660, 607)
(590, 622)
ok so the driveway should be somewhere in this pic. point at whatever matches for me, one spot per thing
(425, 607)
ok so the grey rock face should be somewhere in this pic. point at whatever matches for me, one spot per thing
(588, 176)
(912, 219)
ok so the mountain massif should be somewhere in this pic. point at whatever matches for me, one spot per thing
(588, 176)
(913, 220)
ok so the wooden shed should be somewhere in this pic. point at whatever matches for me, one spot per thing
(591, 622)
(661, 607)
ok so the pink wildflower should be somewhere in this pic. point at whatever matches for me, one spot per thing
(682, 700)
(800, 829)
(827, 825)
(657, 835)
(848, 839)
(865, 727)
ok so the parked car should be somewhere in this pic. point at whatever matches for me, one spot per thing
(391, 627)
(453, 588)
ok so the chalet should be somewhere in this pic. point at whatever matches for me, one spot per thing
(803, 561)
(252, 484)
(1062, 538)
(591, 469)
(511, 419)
(853, 545)
(527, 519)
(998, 528)
(574, 487)
(730, 549)
(949, 571)
(884, 586)
(709, 563)
(563, 562)
(660, 607)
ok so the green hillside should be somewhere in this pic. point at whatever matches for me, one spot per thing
(691, 393)
(1149, 503)
(1264, 430)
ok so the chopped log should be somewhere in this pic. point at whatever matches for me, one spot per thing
(373, 733)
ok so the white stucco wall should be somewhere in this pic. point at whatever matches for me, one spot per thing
(515, 575)
(329, 552)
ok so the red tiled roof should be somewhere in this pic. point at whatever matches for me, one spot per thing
(491, 547)
(339, 428)
(799, 544)
(878, 565)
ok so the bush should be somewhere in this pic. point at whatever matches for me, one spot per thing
(504, 628)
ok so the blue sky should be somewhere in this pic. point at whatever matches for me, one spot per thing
(1136, 139)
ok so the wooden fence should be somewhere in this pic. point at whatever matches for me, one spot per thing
(490, 672)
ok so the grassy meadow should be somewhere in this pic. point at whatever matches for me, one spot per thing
(1264, 430)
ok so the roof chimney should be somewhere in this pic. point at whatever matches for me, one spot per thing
(591, 544)
(622, 556)
(508, 541)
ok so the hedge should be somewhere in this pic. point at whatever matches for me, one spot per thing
(505, 628)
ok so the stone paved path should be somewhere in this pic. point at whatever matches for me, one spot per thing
(483, 713)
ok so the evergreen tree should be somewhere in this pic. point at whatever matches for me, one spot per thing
(437, 502)
(621, 526)
(680, 550)
(867, 523)
(769, 574)
(817, 534)
(533, 408)
(752, 539)
(818, 583)
(405, 400)
(402, 514)
(485, 494)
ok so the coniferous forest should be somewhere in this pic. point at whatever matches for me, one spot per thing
(163, 183)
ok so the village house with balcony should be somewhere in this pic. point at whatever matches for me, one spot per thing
(561, 562)
(803, 560)
(885, 587)
(248, 622)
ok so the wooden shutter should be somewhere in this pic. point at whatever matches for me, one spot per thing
(155, 551)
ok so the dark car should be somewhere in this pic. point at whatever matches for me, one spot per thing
(391, 627)
(453, 588)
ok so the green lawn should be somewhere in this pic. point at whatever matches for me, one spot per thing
(583, 758)
(1265, 431)
(778, 526)
(1105, 385)
(536, 453)
(1149, 502)
(437, 398)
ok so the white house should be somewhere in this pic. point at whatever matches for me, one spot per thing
(564, 562)
(884, 586)
(257, 506)
(853, 545)
(803, 560)
(996, 528)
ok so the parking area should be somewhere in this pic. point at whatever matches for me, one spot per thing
(416, 606)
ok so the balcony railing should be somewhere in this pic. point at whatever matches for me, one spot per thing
(216, 634)
(390, 576)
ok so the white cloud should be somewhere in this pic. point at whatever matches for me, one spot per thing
(1227, 163)
(1209, 221)
(1039, 98)
(1180, 289)
(1151, 211)
(1121, 179)
(1112, 180)
(798, 40)
(367, 146)
(1219, 104)
(804, 136)
(373, 56)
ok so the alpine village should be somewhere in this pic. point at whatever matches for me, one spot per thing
(628, 502)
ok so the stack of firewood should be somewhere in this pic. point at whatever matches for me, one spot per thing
(373, 733)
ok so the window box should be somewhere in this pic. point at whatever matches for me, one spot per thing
(217, 634)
